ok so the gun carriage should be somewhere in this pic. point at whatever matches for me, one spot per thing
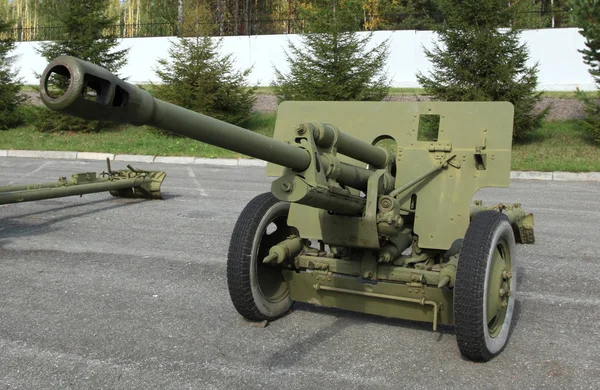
(349, 224)
(124, 183)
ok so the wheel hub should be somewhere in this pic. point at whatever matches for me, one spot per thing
(499, 292)
(270, 279)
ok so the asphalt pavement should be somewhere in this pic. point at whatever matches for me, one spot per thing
(98, 292)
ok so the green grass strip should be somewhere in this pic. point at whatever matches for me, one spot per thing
(557, 146)
(393, 91)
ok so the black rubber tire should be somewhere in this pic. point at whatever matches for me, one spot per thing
(484, 234)
(244, 259)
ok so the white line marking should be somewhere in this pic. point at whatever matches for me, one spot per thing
(198, 187)
(10, 183)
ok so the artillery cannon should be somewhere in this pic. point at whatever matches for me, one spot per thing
(348, 224)
(124, 183)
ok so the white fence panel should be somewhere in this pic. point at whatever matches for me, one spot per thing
(561, 67)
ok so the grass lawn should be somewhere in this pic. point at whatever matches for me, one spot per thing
(126, 140)
(393, 91)
(558, 146)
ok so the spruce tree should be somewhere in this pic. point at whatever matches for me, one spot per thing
(409, 14)
(10, 85)
(586, 14)
(198, 77)
(87, 34)
(476, 61)
(333, 62)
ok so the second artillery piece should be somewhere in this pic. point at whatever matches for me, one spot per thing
(124, 183)
(348, 224)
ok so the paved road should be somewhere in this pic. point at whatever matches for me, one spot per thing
(99, 292)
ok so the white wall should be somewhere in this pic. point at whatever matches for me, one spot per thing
(561, 66)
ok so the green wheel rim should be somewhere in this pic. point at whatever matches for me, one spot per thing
(499, 288)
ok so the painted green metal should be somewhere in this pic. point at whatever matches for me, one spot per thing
(396, 300)
(126, 183)
(96, 94)
(377, 231)
(522, 222)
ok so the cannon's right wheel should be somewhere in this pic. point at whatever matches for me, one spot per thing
(485, 286)
(258, 291)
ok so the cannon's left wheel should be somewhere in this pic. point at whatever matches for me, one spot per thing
(258, 291)
(485, 286)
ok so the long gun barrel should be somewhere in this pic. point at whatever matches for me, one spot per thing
(115, 100)
(94, 93)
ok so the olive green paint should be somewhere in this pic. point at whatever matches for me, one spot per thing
(131, 183)
(360, 204)
(304, 287)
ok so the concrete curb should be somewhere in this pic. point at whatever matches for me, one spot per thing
(94, 156)
(244, 162)
(531, 175)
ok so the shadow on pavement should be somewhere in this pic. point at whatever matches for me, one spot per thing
(15, 226)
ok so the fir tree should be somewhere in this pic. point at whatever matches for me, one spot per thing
(587, 16)
(196, 76)
(410, 15)
(333, 62)
(88, 36)
(478, 62)
(10, 85)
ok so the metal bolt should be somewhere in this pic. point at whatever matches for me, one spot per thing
(301, 129)
(385, 203)
(502, 292)
(504, 305)
(368, 275)
(286, 186)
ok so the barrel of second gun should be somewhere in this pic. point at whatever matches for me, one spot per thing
(94, 93)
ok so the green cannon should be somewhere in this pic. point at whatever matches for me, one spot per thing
(349, 224)
(124, 183)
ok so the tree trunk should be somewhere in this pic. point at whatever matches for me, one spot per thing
(248, 15)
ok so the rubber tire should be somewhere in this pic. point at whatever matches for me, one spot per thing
(485, 231)
(242, 279)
